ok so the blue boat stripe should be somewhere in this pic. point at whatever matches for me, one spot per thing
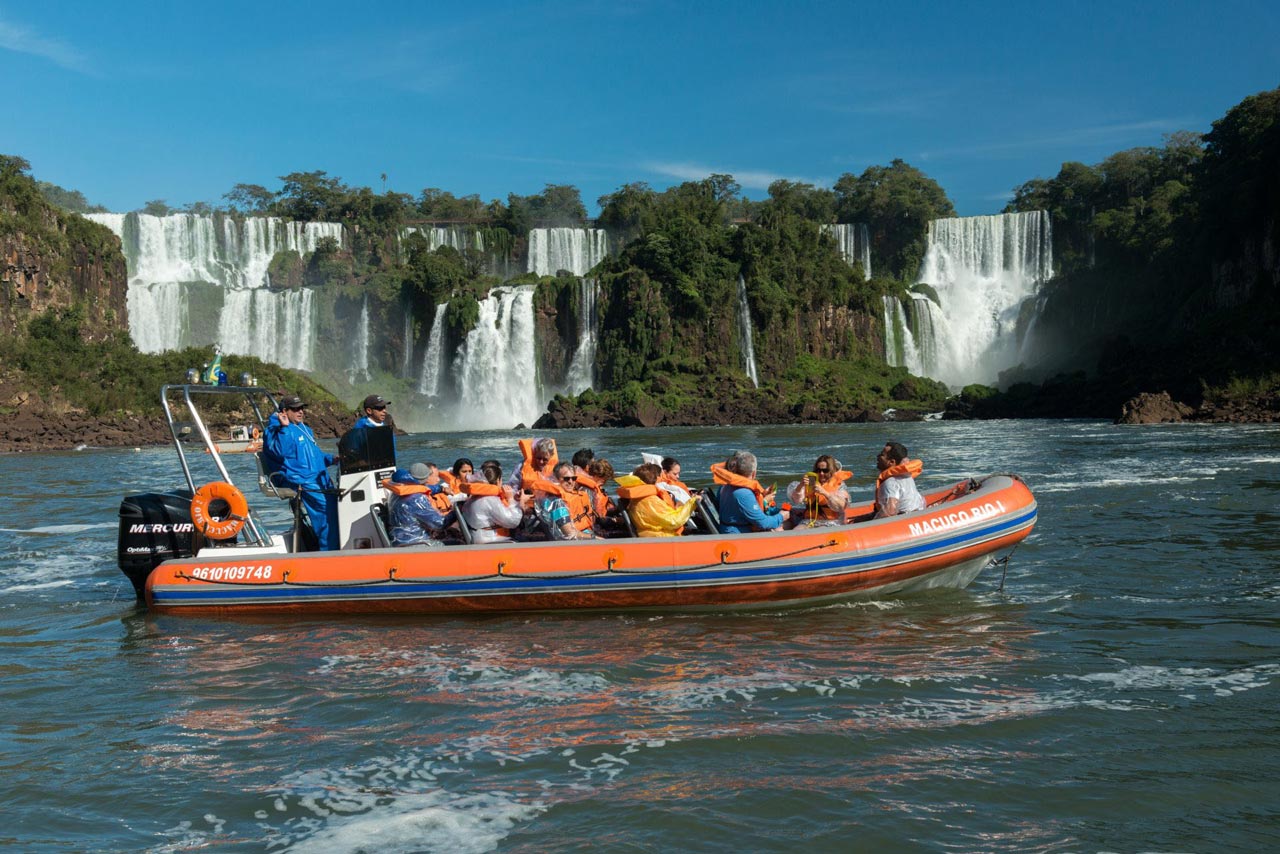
(632, 580)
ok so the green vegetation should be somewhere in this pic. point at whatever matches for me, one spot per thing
(111, 377)
(1164, 273)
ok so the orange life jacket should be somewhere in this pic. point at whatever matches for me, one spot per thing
(640, 490)
(578, 502)
(477, 489)
(818, 497)
(439, 500)
(599, 498)
(451, 480)
(528, 474)
(723, 476)
(403, 490)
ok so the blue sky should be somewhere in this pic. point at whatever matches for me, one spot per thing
(180, 101)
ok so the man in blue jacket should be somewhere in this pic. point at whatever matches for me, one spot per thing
(302, 465)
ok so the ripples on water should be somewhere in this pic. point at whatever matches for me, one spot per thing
(1119, 694)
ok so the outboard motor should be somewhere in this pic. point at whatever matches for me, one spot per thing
(154, 527)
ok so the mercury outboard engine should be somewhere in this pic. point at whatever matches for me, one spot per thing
(154, 527)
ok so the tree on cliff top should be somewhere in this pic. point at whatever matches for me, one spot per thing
(896, 202)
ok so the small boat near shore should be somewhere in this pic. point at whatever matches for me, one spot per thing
(224, 563)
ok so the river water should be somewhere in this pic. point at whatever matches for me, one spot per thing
(1119, 694)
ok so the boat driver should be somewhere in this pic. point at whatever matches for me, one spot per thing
(299, 462)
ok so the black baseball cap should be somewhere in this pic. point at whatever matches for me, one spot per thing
(374, 401)
(292, 401)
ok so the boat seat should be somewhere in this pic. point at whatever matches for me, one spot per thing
(708, 514)
(267, 484)
(378, 513)
(463, 527)
(626, 520)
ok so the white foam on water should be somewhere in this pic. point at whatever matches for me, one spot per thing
(1220, 683)
(58, 529)
(533, 685)
(431, 822)
(48, 584)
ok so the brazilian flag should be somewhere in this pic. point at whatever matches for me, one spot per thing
(210, 376)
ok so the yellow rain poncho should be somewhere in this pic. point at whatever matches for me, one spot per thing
(650, 514)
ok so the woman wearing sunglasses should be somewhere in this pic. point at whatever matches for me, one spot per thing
(820, 497)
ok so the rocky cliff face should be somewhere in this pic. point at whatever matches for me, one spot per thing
(66, 261)
(1253, 269)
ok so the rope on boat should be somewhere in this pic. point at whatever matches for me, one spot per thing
(724, 561)
(1004, 563)
(502, 573)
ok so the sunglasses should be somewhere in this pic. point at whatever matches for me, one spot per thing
(822, 470)
(296, 409)
(568, 480)
(378, 408)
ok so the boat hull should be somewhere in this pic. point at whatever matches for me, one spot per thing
(944, 546)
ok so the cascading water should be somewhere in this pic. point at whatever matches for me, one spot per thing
(744, 333)
(171, 258)
(359, 370)
(461, 238)
(275, 327)
(854, 243)
(574, 249)
(982, 269)
(580, 375)
(433, 365)
(496, 367)
(406, 360)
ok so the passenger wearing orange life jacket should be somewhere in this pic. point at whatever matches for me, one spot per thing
(491, 509)
(820, 500)
(441, 492)
(895, 487)
(651, 515)
(415, 520)
(744, 505)
(562, 507)
(539, 463)
(607, 521)
(457, 475)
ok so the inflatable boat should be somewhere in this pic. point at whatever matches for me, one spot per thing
(221, 561)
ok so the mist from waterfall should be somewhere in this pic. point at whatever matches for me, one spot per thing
(983, 269)
(744, 333)
(574, 249)
(854, 242)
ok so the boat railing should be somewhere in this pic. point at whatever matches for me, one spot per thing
(188, 394)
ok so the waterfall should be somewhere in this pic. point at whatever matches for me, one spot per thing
(275, 327)
(406, 360)
(496, 367)
(744, 332)
(359, 364)
(854, 243)
(574, 249)
(461, 238)
(171, 258)
(433, 365)
(983, 269)
(580, 375)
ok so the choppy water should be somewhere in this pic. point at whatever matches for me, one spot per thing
(1120, 694)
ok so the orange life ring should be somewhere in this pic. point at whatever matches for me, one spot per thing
(225, 524)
